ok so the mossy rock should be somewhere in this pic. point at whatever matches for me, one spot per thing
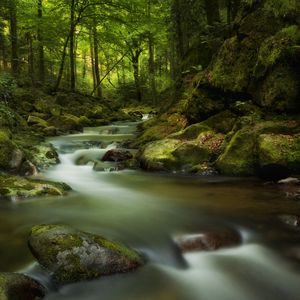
(198, 105)
(222, 122)
(239, 156)
(279, 90)
(191, 132)
(15, 286)
(36, 121)
(72, 255)
(18, 188)
(259, 60)
(66, 123)
(157, 156)
(281, 149)
(159, 129)
(192, 154)
(7, 150)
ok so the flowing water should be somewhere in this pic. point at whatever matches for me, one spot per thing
(145, 210)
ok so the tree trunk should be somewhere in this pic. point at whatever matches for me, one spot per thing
(178, 29)
(136, 73)
(151, 64)
(30, 58)
(212, 11)
(92, 59)
(14, 38)
(72, 52)
(152, 70)
(96, 59)
(62, 64)
(41, 56)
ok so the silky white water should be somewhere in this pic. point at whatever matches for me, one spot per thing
(145, 211)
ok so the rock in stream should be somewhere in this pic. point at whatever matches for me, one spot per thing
(72, 255)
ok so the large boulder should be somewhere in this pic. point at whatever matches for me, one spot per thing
(160, 128)
(18, 188)
(260, 144)
(239, 156)
(72, 255)
(15, 286)
(281, 149)
(157, 156)
(261, 59)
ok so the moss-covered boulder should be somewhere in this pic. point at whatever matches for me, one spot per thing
(36, 121)
(191, 132)
(260, 60)
(160, 128)
(66, 122)
(281, 149)
(157, 156)
(198, 105)
(18, 188)
(175, 153)
(15, 286)
(239, 155)
(8, 151)
(258, 144)
(72, 255)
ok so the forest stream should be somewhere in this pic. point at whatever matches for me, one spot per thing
(145, 210)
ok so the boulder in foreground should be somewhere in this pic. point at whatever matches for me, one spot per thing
(72, 255)
(15, 286)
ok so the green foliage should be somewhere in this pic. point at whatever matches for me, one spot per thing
(281, 8)
(7, 86)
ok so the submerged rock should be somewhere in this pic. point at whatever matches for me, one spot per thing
(105, 166)
(117, 155)
(15, 286)
(291, 220)
(72, 255)
(17, 188)
(209, 240)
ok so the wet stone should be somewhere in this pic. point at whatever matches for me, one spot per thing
(208, 240)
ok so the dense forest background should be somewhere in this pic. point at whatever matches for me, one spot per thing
(130, 49)
(233, 64)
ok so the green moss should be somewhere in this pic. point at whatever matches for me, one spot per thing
(239, 157)
(120, 249)
(18, 187)
(7, 147)
(281, 8)
(191, 132)
(73, 255)
(158, 155)
(159, 129)
(280, 149)
(276, 48)
(190, 153)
